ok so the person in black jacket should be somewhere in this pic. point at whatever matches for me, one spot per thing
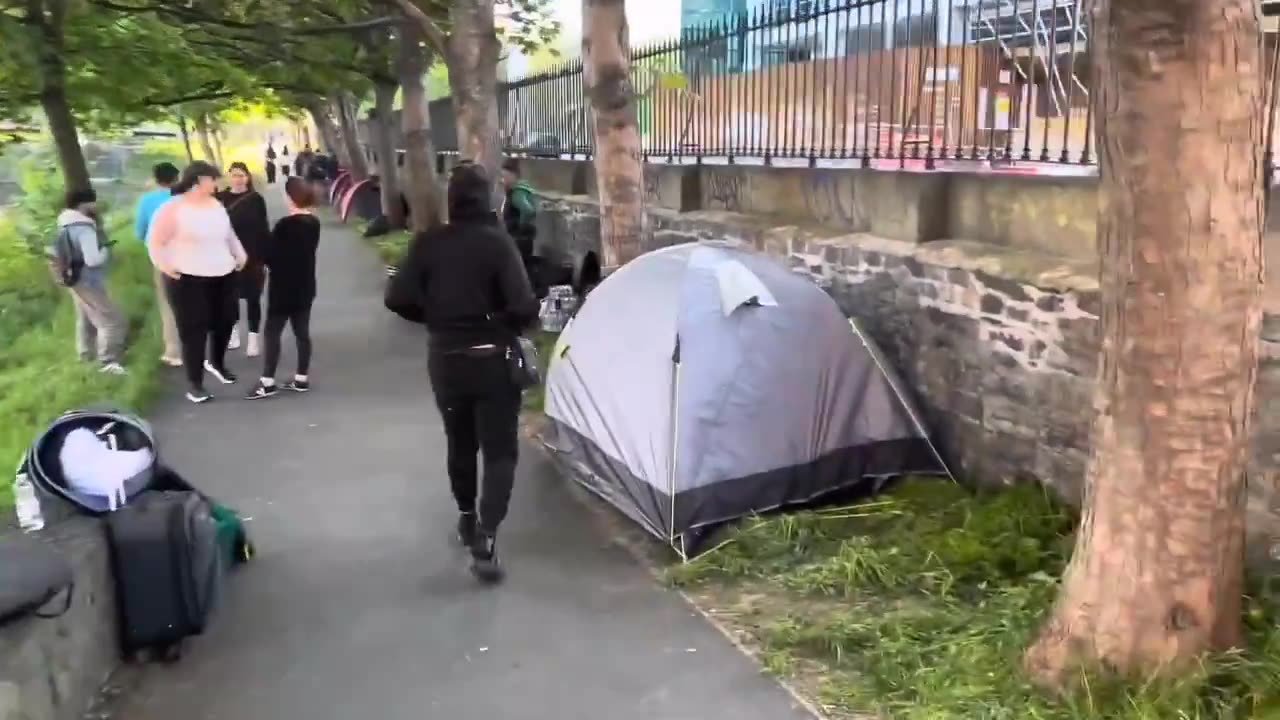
(248, 211)
(466, 283)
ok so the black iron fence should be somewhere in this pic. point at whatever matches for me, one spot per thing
(918, 84)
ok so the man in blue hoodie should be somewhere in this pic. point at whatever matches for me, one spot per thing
(165, 174)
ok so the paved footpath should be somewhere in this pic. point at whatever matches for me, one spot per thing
(359, 606)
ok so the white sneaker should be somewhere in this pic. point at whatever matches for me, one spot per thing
(113, 369)
(175, 362)
(235, 339)
(255, 345)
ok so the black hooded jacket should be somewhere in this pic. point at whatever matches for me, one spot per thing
(465, 280)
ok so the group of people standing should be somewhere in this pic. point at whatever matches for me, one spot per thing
(214, 249)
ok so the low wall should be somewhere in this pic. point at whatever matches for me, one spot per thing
(1050, 214)
(999, 343)
(51, 669)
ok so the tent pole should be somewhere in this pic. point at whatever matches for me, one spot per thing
(911, 413)
(675, 454)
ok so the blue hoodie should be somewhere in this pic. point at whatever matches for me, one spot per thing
(148, 204)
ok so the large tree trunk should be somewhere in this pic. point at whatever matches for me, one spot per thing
(384, 142)
(1156, 578)
(186, 137)
(215, 133)
(206, 142)
(422, 185)
(53, 96)
(606, 77)
(323, 118)
(350, 140)
(472, 57)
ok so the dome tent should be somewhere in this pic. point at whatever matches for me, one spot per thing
(705, 382)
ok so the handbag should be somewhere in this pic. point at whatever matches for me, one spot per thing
(522, 362)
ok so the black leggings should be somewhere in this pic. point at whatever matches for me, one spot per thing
(251, 280)
(204, 309)
(300, 321)
(481, 411)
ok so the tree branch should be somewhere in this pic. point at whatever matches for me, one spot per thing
(434, 35)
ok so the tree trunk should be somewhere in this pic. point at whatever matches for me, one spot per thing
(606, 76)
(1156, 577)
(206, 143)
(350, 140)
(186, 137)
(53, 97)
(472, 56)
(422, 185)
(384, 140)
(323, 119)
(215, 133)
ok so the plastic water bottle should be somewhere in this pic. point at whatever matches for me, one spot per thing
(30, 519)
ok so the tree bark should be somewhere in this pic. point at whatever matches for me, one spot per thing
(215, 133)
(206, 143)
(186, 137)
(1156, 578)
(606, 76)
(53, 94)
(350, 140)
(388, 175)
(323, 118)
(422, 185)
(472, 54)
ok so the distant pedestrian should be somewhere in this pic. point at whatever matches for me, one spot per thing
(165, 175)
(520, 213)
(248, 212)
(100, 326)
(290, 257)
(465, 281)
(270, 164)
(285, 165)
(194, 244)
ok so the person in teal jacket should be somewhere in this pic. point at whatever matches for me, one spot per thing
(165, 175)
(519, 212)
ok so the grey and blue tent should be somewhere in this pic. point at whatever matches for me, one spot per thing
(705, 382)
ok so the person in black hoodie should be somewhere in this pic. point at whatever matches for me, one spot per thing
(248, 211)
(465, 281)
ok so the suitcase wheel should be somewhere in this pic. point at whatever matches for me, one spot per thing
(171, 653)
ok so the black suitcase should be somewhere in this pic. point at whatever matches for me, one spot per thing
(168, 570)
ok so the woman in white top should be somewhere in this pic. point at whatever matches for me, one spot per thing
(193, 244)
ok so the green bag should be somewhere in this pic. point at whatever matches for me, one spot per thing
(232, 538)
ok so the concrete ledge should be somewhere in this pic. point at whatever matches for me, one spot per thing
(51, 669)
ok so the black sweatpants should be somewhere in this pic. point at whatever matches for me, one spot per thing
(270, 167)
(300, 322)
(251, 280)
(481, 409)
(204, 309)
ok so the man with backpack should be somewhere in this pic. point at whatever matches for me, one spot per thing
(520, 213)
(80, 256)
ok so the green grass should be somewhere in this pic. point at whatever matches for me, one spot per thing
(393, 246)
(535, 397)
(40, 374)
(918, 605)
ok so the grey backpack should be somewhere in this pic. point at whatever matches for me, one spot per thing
(66, 260)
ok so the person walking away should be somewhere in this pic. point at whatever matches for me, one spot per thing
(291, 261)
(194, 244)
(519, 213)
(248, 212)
(465, 282)
(83, 255)
(270, 164)
(284, 161)
(165, 175)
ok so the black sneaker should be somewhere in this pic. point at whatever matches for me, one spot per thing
(467, 529)
(198, 395)
(261, 391)
(484, 559)
(297, 385)
(223, 375)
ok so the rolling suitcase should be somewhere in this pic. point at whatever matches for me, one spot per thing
(168, 568)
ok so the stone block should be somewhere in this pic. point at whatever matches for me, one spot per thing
(51, 669)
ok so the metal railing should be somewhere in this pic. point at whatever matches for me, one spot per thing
(893, 83)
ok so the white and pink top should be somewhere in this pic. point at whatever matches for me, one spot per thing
(195, 240)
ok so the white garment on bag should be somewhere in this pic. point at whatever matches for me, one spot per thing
(92, 467)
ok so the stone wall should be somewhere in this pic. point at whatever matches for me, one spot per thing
(998, 344)
(51, 669)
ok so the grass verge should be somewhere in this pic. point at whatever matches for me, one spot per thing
(918, 605)
(40, 374)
